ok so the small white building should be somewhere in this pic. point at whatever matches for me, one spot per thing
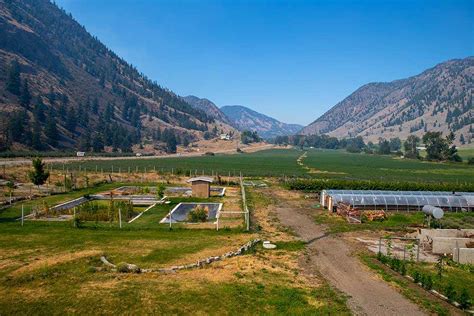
(80, 153)
(225, 137)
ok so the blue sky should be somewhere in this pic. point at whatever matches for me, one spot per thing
(292, 60)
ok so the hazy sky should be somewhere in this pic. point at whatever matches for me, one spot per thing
(292, 60)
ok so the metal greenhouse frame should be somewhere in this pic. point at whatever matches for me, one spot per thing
(399, 200)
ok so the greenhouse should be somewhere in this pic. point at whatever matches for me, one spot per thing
(398, 200)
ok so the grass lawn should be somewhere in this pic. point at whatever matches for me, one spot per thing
(53, 268)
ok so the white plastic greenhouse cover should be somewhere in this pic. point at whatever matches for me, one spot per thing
(404, 199)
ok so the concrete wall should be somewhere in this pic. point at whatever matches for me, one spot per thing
(201, 189)
(463, 255)
(431, 233)
(446, 245)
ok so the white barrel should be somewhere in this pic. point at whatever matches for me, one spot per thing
(436, 212)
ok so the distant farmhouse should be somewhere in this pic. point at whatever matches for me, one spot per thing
(225, 137)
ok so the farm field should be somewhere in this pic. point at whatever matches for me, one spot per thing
(335, 164)
(466, 152)
(344, 165)
(273, 162)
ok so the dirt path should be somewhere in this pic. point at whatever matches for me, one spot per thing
(331, 257)
(23, 161)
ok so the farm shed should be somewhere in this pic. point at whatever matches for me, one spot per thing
(201, 186)
(398, 200)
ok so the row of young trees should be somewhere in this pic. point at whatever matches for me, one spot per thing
(438, 148)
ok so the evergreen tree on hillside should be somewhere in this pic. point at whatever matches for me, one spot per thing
(13, 78)
(51, 131)
(84, 142)
(71, 120)
(17, 125)
(25, 97)
(36, 136)
(97, 143)
(38, 111)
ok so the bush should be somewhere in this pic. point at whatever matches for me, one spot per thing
(450, 293)
(427, 282)
(470, 161)
(416, 277)
(198, 214)
(403, 268)
(465, 299)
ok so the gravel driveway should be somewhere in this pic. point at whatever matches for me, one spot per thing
(331, 257)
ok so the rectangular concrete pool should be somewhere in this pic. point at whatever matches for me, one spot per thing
(180, 212)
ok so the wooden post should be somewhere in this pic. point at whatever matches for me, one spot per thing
(170, 221)
(74, 217)
(22, 215)
(120, 217)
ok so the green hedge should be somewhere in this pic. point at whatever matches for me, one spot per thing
(315, 185)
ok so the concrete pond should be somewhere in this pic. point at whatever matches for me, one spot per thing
(180, 212)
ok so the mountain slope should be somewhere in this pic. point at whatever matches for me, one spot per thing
(439, 99)
(208, 107)
(68, 90)
(267, 127)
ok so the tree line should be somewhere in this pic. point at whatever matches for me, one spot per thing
(438, 148)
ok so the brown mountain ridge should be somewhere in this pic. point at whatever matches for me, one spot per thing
(438, 99)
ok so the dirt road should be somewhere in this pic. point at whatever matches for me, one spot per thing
(23, 161)
(331, 257)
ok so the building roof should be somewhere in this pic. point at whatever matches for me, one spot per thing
(205, 179)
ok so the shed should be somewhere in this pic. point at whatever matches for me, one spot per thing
(201, 186)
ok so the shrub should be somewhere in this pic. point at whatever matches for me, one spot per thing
(450, 292)
(470, 161)
(465, 299)
(403, 268)
(198, 214)
(416, 277)
(427, 282)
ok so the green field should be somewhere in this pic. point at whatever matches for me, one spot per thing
(466, 152)
(274, 162)
(341, 164)
(283, 162)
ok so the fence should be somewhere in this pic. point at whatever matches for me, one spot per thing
(245, 209)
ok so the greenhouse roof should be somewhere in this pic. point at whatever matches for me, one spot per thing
(385, 192)
(451, 201)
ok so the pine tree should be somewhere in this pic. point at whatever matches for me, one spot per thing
(38, 111)
(97, 143)
(84, 142)
(25, 97)
(38, 175)
(36, 136)
(462, 140)
(51, 131)
(71, 120)
(13, 78)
